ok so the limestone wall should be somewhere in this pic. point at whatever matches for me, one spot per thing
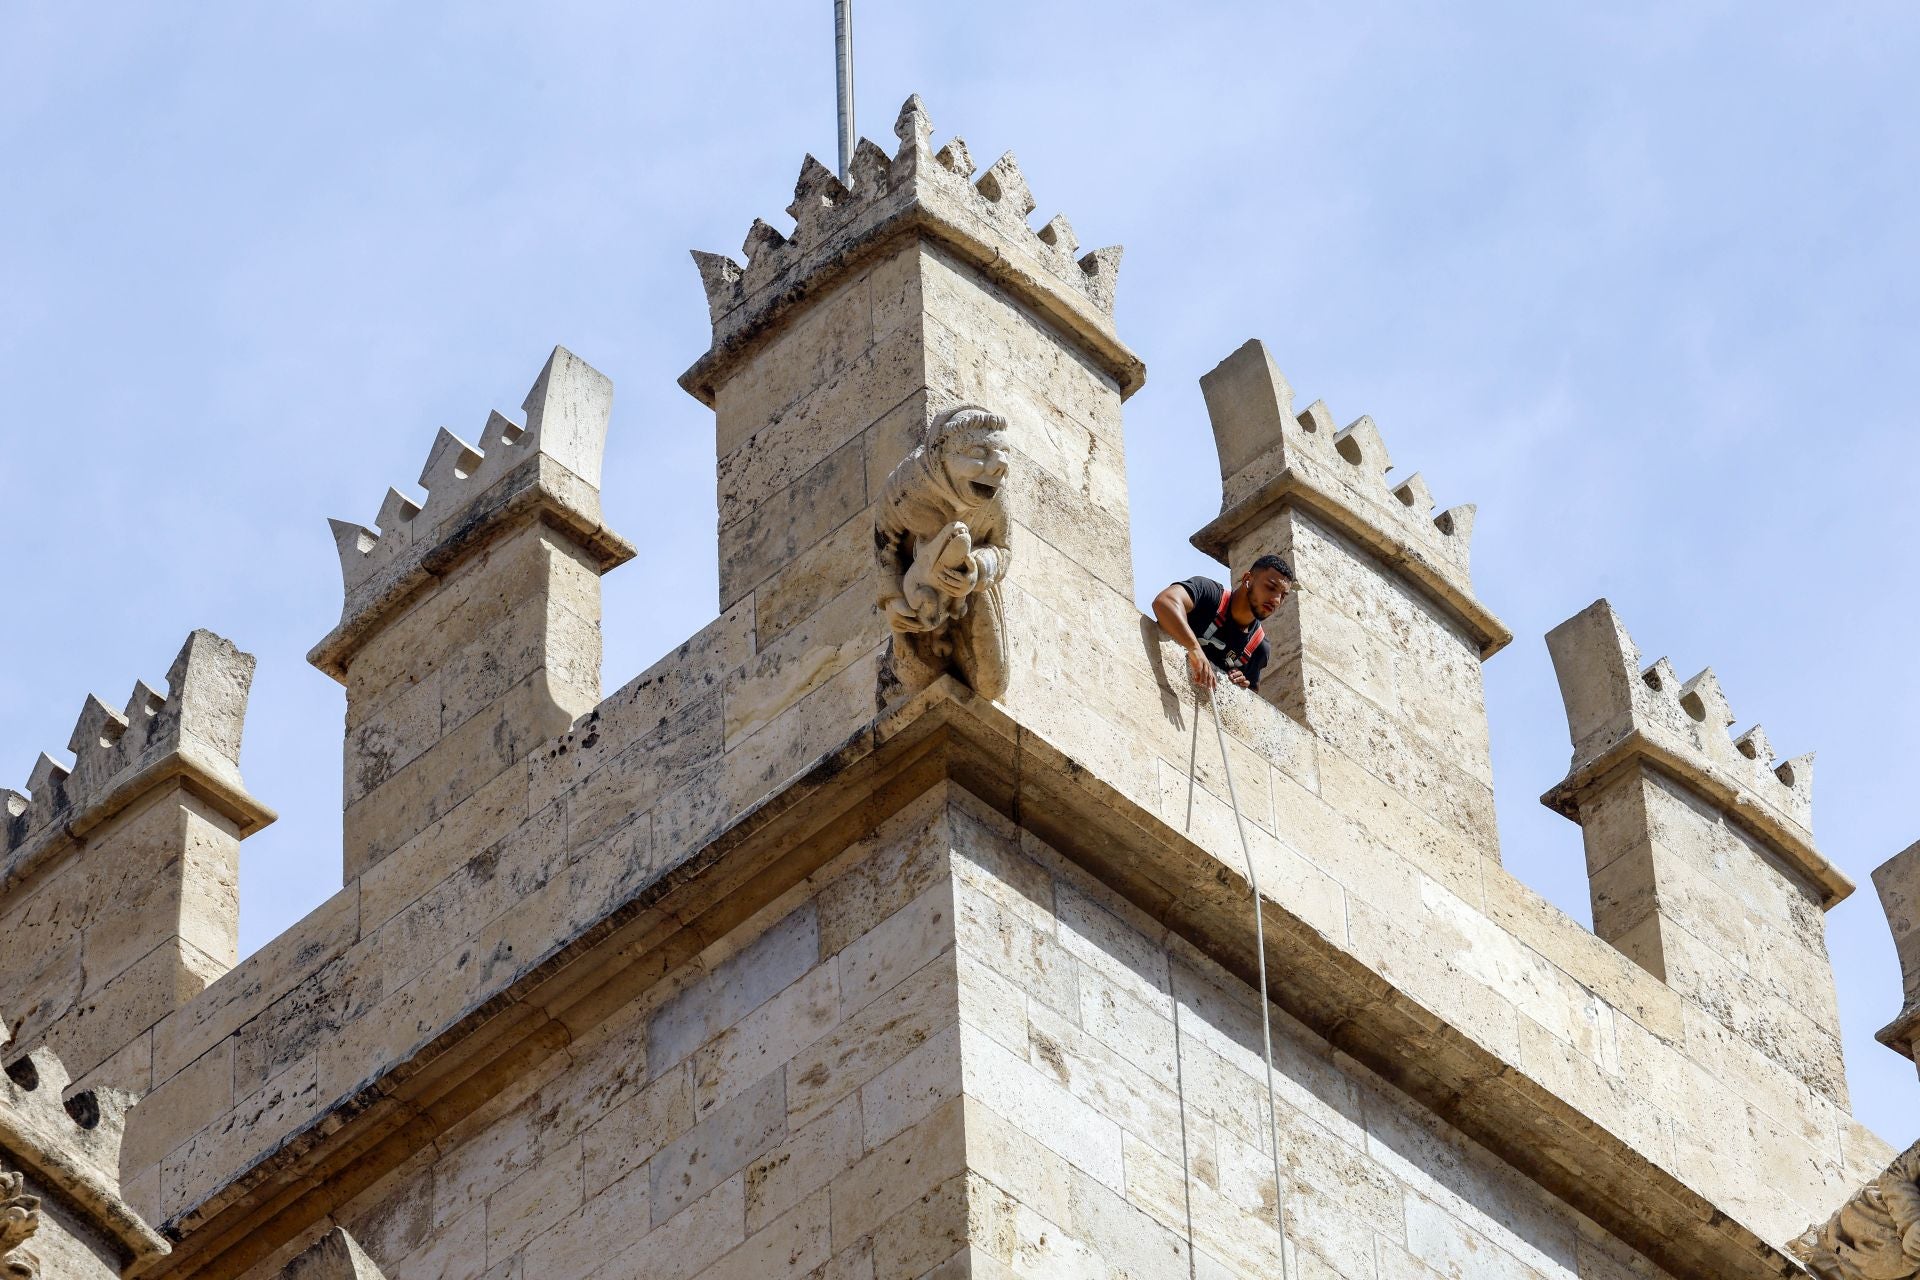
(796, 955)
(784, 1104)
(952, 1052)
(119, 876)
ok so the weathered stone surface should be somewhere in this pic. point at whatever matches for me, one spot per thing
(1699, 856)
(119, 893)
(795, 957)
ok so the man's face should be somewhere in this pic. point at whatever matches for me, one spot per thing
(978, 466)
(1264, 589)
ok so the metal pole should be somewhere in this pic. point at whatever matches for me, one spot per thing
(843, 74)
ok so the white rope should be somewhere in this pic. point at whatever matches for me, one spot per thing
(1260, 947)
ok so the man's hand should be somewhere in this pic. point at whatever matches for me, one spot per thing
(1200, 669)
(1239, 678)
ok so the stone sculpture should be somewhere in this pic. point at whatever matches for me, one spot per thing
(19, 1218)
(1876, 1234)
(941, 536)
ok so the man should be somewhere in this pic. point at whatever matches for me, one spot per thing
(1220, 628)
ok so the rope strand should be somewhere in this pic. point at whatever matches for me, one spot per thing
(1260, 946)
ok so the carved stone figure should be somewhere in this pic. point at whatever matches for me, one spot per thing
(1876, 1234)
(19, 1218)
(941, 536)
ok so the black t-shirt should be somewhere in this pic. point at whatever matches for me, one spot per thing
(1229, 637)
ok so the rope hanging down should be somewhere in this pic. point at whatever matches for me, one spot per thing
(1260, 948)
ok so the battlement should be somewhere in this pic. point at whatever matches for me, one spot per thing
(547, 469)
(1272, 457)
(916, 190)
(1619, 710)
(70, 1144)
(193, 732)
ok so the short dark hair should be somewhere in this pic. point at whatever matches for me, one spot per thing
(1279, 566)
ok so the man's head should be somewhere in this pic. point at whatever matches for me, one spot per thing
(1266, 584)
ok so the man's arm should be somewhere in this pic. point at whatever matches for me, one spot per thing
(1170, 611)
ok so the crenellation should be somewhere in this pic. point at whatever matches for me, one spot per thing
(194, 730)
(834, 219)
(1618, 707)
(566, 410)
(1699, 853)
(118, 884)
(820, 950)
(1269, 454)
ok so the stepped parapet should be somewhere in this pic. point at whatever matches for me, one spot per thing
(920, 189)
(547, 469)
(1700, 857)
(191, 732)
(1619, 708)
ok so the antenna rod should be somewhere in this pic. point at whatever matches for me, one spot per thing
(843, 68)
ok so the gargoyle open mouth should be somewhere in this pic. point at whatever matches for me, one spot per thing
(982, 490)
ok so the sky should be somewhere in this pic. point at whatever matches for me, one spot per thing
(1639, 279)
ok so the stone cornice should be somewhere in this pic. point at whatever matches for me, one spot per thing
(192, 735)
(547, 470)
(1902, 1035)
(1789, 842)
(1304, 485)
(921, 193)
(945, 734)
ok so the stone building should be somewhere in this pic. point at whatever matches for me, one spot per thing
(888, 928)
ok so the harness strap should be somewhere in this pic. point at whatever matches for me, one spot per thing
(1254, 638)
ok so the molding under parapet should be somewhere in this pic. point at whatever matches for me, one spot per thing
(547, 471)
(946, 734)
(1620, 714)
(72, 1147)
(192, 734)
(1271, 459)
(1898, 882)
(917, 191)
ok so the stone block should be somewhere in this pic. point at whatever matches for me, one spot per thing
(839, 633)
(856, 1050)
(886, 378)
(762, 1042)
(804, 1165)
(829, 337)
(840, 562)
(894, 1176)
(819, 501)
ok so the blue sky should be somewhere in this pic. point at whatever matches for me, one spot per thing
(1639, 279)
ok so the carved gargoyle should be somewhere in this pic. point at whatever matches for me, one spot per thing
(19, 1218)
(941, 536)
(1875, 1235)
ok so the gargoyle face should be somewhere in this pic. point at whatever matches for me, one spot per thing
(978, 467)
